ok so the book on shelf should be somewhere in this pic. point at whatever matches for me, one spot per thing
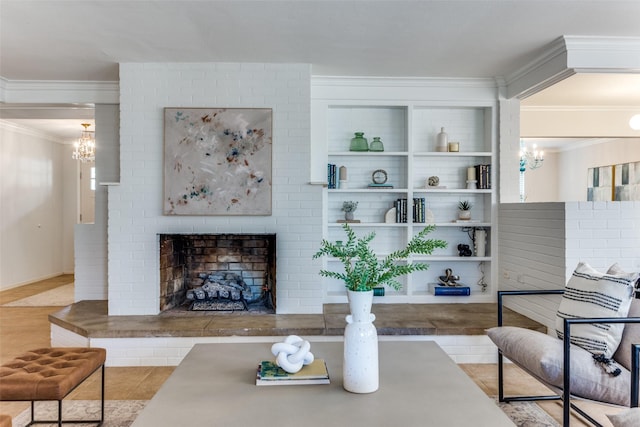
(380, 186)
(331, 176)
(418, 210)
(483, 176)
(269, 374)
(440, 290)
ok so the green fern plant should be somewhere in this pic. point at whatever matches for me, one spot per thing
(363, 270)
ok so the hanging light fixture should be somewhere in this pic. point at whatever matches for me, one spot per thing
(85, 147)
(528, 159)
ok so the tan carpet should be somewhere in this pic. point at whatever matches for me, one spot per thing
(60, 296)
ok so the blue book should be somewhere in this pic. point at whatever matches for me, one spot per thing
(451, 290)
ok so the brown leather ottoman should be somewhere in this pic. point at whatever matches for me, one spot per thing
(5, 420)
(51, 374)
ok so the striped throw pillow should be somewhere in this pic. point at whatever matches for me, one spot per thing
(590, 293)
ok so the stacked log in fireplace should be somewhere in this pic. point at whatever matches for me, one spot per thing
(223, 291)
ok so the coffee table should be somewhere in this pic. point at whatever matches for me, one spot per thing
(419, 386)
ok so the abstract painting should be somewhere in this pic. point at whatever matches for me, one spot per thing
(627, 181)
(217, 161)
(600, 184)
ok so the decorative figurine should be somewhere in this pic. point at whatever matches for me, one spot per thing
(464, 250)
(450, 279)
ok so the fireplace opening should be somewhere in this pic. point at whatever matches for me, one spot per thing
(218, 272)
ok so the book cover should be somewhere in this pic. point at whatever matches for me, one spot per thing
(438, 290)
(269, 373)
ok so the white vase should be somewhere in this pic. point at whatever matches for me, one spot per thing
(465, 215)
(360, 364)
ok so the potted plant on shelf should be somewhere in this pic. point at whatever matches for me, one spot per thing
(363, 271)
(464, 210)
(349, 208)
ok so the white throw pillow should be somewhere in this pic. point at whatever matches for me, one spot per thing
(590, 293)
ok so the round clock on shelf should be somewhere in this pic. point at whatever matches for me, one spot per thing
(379, 176)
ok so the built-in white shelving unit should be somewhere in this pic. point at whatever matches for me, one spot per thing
(408, 131)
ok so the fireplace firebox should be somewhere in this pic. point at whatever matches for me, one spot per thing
(218, 272)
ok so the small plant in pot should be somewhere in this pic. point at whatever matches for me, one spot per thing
(349, 208)
(464, 210)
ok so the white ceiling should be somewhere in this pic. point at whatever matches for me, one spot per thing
(85, 40)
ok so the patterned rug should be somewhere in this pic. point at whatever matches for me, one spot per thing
(58, 297)
(122, 413)
(117, 413)
(528, 414)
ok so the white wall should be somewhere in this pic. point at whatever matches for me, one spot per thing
(563, 177)
(543, 184)
(135, 206)
(91, 239)
(540, 244)
(573, 164)
(34, 205)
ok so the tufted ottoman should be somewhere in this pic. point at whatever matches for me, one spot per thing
(5, 420)
(51, 374)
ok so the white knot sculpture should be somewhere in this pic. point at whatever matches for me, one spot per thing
(292, 354)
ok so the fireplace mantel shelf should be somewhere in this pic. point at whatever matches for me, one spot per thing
(90, 319)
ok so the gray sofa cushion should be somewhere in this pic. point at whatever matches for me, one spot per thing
(541, 356)
(631, 335)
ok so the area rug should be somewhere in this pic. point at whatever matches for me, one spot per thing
(122, 413)
(527, 414)
(60, 296)
(117, 413)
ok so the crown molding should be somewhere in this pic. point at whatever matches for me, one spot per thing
(43, 91)
(338, 81)
(579, 108)
(24, 130)
(568, 55)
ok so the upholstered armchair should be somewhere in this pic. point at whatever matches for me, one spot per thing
(568, 369)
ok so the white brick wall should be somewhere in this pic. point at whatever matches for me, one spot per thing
(169, 351)
(540, 244)
(135, 207)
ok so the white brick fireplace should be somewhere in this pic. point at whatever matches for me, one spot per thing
(135, 205)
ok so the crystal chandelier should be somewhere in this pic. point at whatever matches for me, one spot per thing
(528, 159)
(85, 147)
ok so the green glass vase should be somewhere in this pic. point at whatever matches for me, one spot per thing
(376, 144)
(359, 143)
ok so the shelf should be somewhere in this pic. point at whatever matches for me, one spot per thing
(433, 258)
(368, 153)
(454, 224)
(415, 224)
(409, 132)
(368, 224)
(368, 190)
(453, 190)
(453, 154)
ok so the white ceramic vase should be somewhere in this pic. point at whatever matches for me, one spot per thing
(465, 215)
(360, 364)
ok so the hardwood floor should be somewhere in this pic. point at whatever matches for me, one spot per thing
(25, 328)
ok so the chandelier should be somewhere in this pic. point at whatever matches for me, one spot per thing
(528, 159)
(85, 147)
(531, 159)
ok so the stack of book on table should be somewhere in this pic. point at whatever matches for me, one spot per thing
(271, 374)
